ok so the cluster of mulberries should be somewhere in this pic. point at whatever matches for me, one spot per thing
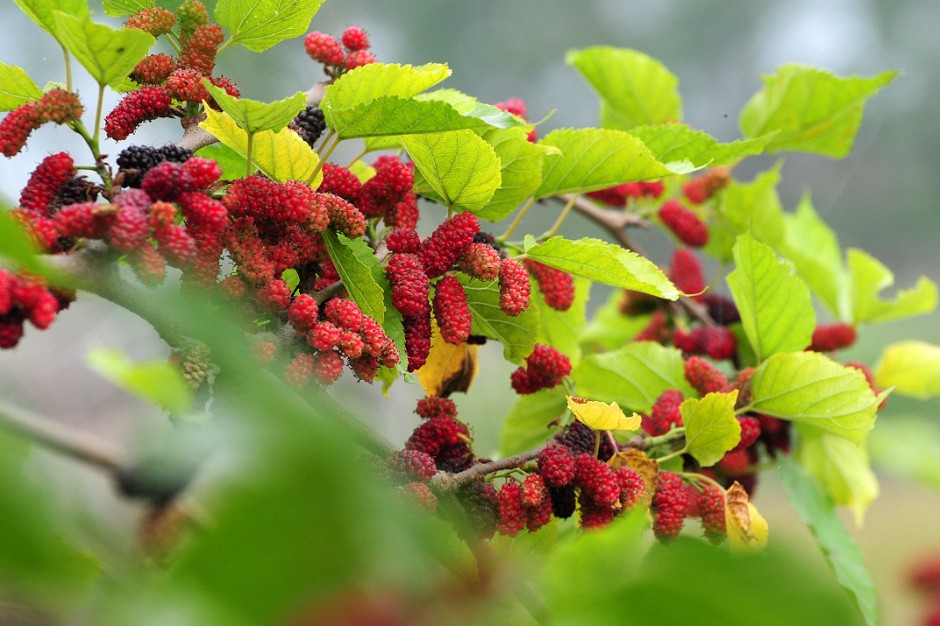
(544, 368)
(619, 195)
(23, 298)
(57, 105)
(521, 506)
(717, 342)
(704, 377)
(442, 437)
(413, 470)
(135, 161)
(338, 56)
(670, 505)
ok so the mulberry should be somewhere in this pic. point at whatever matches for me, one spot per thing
(671, 501)
(684, 224)
(45, 181)
(702, 188)
(685, 270)
(135, 108)
(704, 377)
(480, 261)
(545, 368)
(513, 287)
(557, 287)
(830, 337)
(665, 413)
(512, 511)
(355, 38)
(404, 240)
(324, 48)
(309, 124)
(556, 465)
(452, 311)
(449, 242)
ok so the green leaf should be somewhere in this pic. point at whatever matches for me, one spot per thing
(909, 447)
(469, 106)
(609, 328)
(561, 329)
(16, 244)
(260, 24)
(393, 116)
(254, 116)
(813, 248)
(16, 87)
(605, 263)
(595, 158)
(811, 388)
(743, 207)
(43, 12)
(633, 377)
(635, 88)
(775, 305)
(459, 166)
(835, 542)
(233, 164)
(378, 80)
(282, 155)
(841, 467)
(812, 110)
(356, 264)
(517, 334)
(109, 55)
(119, 8)
(711, 429)
(521, 163)
(527, 423)
(912, 368)
(675, 143)
(155, 381)
(868, 277)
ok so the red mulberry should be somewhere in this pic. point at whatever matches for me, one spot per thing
(665, 413)
(134, 109)
(451, 310)
(685, 271)
(513, 287)
(556, 286)
(827, 338)
(480, 261)
(670, 502)
(556, 465)
(704, 377)
(684, 224)
(449, 242)
(512, 511)
(702, 188)
(324, 48)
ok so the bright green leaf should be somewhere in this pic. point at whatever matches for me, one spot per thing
(912, 368)
(120, 8)
(635, 88)
(521, 163)
(233, 164)
(459, 166)
(355, 262)
(711, 429)
(909, 447)
(393, 116)
(469, 106)
(43, 12)
(561, 329)
(609, 328)
(260, 24)
(517, 334)
(633, 377)
(155, 381)
(811, 388)
(673, 143)
(837, 545)
(282, 156)
(868, 277)
(775, 304)
(841, 467)
(109, 55)
(743, 207)
(596, 158)
(253, 116)
(16, 87)
(378, 80)
(813, 248)
(605, 263)
(812, 110)
(527, 423)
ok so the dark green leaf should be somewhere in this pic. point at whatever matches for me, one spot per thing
(517, 334)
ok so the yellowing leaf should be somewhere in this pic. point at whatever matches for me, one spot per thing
(602, 416)
(282, 155)
(711, 429)
(449, 368)
(747, 528)
(646, 467)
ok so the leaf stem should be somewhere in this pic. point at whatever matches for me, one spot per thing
(515, 223)
(98, 108)
(327, 151)
(561, 218)
(248, 149)
(68, 68)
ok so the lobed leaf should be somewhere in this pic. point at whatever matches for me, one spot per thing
(604, 263)
(711, 428)
(517, 334)
(602, 415)
(868, 277)
(356, 263)
(812, 389)
(911, 368)
(109, 55)
(811, 110)
(775, 304)
(596, 158)
(527, 423)
(676, 143)
(841, 467)
(260, 24)
(635, 89)
(282, 155)
(254, 116)
(459, 166)
(16, 87)
(633, 376)
(835, 542)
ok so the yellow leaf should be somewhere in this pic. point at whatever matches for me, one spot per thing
(747, 528)
(282, 155)
(602, 416)
(646, 467)
(449, 368)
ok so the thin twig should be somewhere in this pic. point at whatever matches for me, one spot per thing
(443, 481)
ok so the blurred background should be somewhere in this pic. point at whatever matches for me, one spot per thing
(882, 198)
